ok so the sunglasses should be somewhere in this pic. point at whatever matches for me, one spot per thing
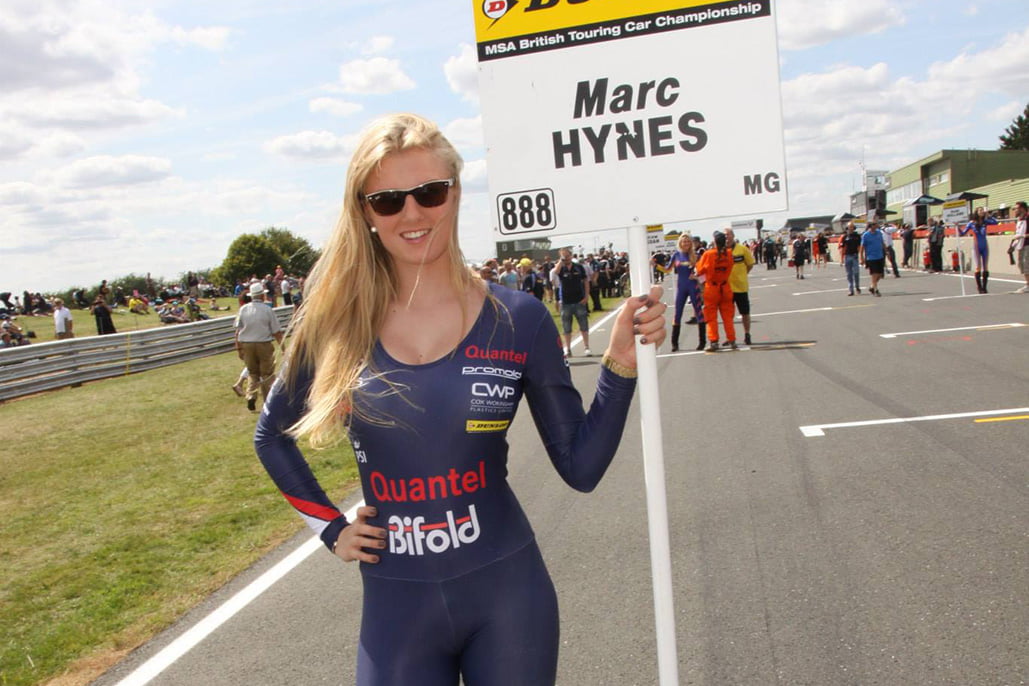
(389, 202)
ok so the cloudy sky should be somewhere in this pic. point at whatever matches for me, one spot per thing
(145, 135)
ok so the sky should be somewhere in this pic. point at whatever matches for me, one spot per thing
(146, 135)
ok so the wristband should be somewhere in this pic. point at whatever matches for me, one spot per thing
(618, 369)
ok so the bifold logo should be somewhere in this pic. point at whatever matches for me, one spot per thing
(412, 536)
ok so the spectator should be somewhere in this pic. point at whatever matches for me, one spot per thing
(907, 237)
(138, 306)
(872, 254)
(891, 255)
(63, 324)
(850, 250)
(937, 233)
(742, 263)
(799, 254)
(573, 295)
(102, 313)
(256, 327)
(1020, 246)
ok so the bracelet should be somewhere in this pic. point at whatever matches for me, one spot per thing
(618, 369)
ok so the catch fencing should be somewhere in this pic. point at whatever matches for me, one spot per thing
(56, 364)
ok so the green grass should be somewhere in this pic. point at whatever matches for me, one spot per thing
(122, 504)
(125, 502)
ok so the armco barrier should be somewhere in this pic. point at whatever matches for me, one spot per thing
(45, 366)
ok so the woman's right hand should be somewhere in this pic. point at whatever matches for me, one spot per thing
(358, 535)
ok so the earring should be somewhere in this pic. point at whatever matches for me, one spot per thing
(375, 230)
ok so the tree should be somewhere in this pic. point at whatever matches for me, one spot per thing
(1016, 136)
(248, 254)
(296, 255)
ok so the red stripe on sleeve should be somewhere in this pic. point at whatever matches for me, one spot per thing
(313, 509)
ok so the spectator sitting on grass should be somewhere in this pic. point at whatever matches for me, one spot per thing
(169, 314)
(14, 333)
(193, 311)
(216, 308)
(138, 306)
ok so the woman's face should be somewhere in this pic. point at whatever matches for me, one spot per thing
(415, 234)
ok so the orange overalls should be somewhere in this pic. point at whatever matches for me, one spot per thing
(717, 292)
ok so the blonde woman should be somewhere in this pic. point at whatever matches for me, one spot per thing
(403, 351)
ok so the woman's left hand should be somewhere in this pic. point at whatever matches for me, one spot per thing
(640, 316)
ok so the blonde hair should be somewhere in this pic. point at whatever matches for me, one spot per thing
(349, 290)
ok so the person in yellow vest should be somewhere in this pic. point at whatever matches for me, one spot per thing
(742, 263)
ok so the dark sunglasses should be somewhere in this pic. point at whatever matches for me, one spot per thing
(429, 194)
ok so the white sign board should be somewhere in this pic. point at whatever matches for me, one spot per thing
(655, 237)
(744, 225)
(609, 114)
(955, 212)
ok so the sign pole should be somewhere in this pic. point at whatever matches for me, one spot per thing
(654, 473)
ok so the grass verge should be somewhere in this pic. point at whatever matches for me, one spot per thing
(123, 503)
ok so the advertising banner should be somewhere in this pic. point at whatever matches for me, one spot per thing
(605, 113)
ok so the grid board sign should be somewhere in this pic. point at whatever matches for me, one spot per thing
(610, 113)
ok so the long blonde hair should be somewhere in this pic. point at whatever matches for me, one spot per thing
(349, 290)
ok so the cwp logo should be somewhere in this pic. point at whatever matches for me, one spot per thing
(488, 390)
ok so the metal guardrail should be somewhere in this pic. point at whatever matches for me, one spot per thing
(46, 366)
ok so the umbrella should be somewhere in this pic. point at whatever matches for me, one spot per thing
(924, 200)
(966, 195)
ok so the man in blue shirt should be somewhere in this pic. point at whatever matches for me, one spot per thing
(873, 255)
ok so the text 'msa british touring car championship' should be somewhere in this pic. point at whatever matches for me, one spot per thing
(611, 113)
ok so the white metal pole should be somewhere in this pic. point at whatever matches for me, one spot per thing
(654, 473)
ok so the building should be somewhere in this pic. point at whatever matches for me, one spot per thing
(1001, 175)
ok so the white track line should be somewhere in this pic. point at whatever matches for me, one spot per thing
(983, 327)
(206, 626)
(167, 656)
(813, 430)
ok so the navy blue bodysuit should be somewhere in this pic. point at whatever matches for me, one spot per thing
(460, 588)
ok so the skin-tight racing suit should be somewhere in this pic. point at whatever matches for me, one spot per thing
(460, 587)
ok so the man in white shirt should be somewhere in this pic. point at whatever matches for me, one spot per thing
(256, 326)
(888, 231)
(63, 324)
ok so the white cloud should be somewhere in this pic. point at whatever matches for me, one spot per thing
(807, 23)
(465, 133)
(209, 37)
(376, 45)
(474, 176)
(462, 72)
(376, 76)
(79, 110)
(1006, 113)
(1000, 67)
(334, 106)
(20, 193)
(972, 10)
(312, 145)
(105, 170)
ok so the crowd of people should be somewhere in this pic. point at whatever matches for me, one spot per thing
(182, 303)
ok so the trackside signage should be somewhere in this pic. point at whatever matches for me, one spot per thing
(610, 113)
